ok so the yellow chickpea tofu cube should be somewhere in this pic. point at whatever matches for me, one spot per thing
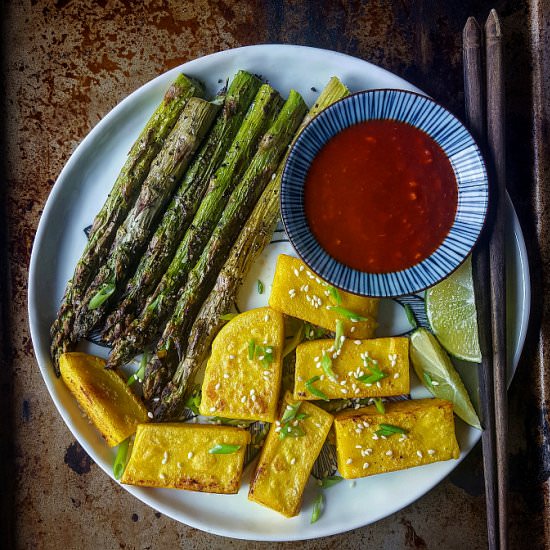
(361, 368)
(299, 292)
(243, 373)
(287, 457)
(179, 456)
(103, 395)
(411, 433)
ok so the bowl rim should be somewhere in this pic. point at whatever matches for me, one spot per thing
(480, 155)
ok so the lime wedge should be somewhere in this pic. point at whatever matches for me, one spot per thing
(451, 311)
(435, 370)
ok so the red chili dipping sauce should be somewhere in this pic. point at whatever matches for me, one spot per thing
(380, 196)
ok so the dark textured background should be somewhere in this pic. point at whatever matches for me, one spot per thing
(67, 63)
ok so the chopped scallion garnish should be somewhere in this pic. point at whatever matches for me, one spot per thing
(228, 316)
(335, 295)
(376, 374)
(251, 349)
(347, 313)
(224, 449)
(290, 412)
(318, 504)
(338, 340)
(410, 316)
(260, 286)
(140, 373)
(102, 295)
(326, 363)
(329, 481)
(120, 459)
(379, 405)
(389, 429)
(315, 391)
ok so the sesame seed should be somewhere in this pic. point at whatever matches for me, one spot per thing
(150, 414)
(419, 453)
(342, 338)
(253, 398)
(389, 453)
(277, 422)
(316, 359)
(225, 375)
(231, 357)
(293, 461)
(269, 350)
(252, 391)
(366, 424)
(162, 476)
(189, 455)
(266, 318)
(179, 464)
(301, 268)
(306, 288)
(374, 436)
(278, 429)
(357, 342)
(357, 431)
(357, 405)
(435, 383)
(156, 399)
(266, 373)
(396, 376)
(343, 390)
(296, 272)
(343, 383)
(431, 452)
(317, 424)
(261, 357)
(365, 465)
(243, 398)
(212, 409)
(352, 329)
(368, 451)
(358, 446)
(383, 437)
(349, 461)
(165, 457)
(217, 386)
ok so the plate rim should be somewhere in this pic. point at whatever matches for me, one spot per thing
(34, 322)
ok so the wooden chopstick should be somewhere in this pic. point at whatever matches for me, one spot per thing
(496, 149)
(475, 114)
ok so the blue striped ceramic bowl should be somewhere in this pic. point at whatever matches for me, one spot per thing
(457, 143)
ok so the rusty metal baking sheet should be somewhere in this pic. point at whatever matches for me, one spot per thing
(67, 63)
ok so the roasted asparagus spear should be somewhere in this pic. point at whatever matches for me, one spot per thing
(133, 235)
(118, 204)
(263, 168)
(183, 206)
(143, 330)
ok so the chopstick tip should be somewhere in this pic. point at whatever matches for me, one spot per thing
(492, 25)
(471, 34)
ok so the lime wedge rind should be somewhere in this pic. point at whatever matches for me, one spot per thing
(437, 373)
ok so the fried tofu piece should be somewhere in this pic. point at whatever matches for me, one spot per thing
(299, 292)
(355, 367)
(103, 395)
(243, 374)
(286, 460)
(429, 437)
(176, 456)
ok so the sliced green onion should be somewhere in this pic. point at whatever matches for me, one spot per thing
(223, 449)
(291, 431)
(103, 294)
(228, 316)
(294, 342)
(318, 505)
(410, 316)
(140, 373)
(302, 416)
(329, 481)
(260, 286)
(313, 332)
(335, 295)
(347, 313)
(194, 400)
(231, 421)
(290, 412)
(389, 429)
(251, 349)
(338, 334)
(326, 363)
(120, 459)
(376, 374)
(379, 405)
(315, 391)
(428, 379)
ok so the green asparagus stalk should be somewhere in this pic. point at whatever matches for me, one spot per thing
(143, 330)
(134, 233)
(262, 170)
(118, 204)
(252, 240)
(183, 206)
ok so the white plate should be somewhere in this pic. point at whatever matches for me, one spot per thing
(77, 196)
